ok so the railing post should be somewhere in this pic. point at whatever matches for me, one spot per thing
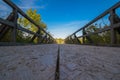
(71, 40)
(83, 35)
(42, 40)
(34, 36)
(14, 31)
(48, 41)
(45, 41)
(77, 39)
(39, 37)
(113, 32)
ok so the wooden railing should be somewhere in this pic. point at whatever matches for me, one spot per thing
(114, 29)
(11, 23)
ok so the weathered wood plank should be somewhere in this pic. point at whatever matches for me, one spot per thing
(77, 62)
(36, 62)
(89, 63)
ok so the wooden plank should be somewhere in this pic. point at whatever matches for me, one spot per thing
(36, 62)
(89, 63)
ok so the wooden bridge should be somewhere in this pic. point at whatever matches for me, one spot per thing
(59, 62)
(47, 60)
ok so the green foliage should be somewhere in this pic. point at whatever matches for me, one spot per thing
(34, 16)
(97, 38)
(24, 22)
(104, 37)
(59, 41)
(22, 36)
(7, 37)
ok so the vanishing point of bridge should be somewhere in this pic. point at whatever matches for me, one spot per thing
(47, 60)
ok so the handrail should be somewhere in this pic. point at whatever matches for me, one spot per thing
(22, 13)
(100, 16)
(112, 27)
(14, 25)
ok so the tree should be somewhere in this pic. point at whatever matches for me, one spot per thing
(35, 17)
(26, 24)
(96, 38)
(104, 37)
(59, 40)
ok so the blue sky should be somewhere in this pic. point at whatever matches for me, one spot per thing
(63, 17)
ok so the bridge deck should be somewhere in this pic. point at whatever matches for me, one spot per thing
(77, 62)
(28, 62)
(89, 63)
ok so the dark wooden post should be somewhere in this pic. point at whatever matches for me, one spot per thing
(46, 38)
(71, 40)
(42, 40)
(14, 31)
(113, 32)
(77, 39)
(83, 35)
(49, 40)
(34, 36)
(39, 37)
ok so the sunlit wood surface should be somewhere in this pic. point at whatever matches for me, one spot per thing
(77, 62)
(36, 62)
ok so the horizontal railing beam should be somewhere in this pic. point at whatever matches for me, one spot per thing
(23, 14)
(102, 30)
(12, 25)
(6, 22)
(100, 16)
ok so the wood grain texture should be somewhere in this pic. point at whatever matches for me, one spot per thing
(36, 62)
(79, 62)
(76, 62)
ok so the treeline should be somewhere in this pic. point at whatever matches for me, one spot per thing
(59, 40)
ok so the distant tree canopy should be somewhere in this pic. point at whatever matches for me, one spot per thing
(59, 40)
(35, 17)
